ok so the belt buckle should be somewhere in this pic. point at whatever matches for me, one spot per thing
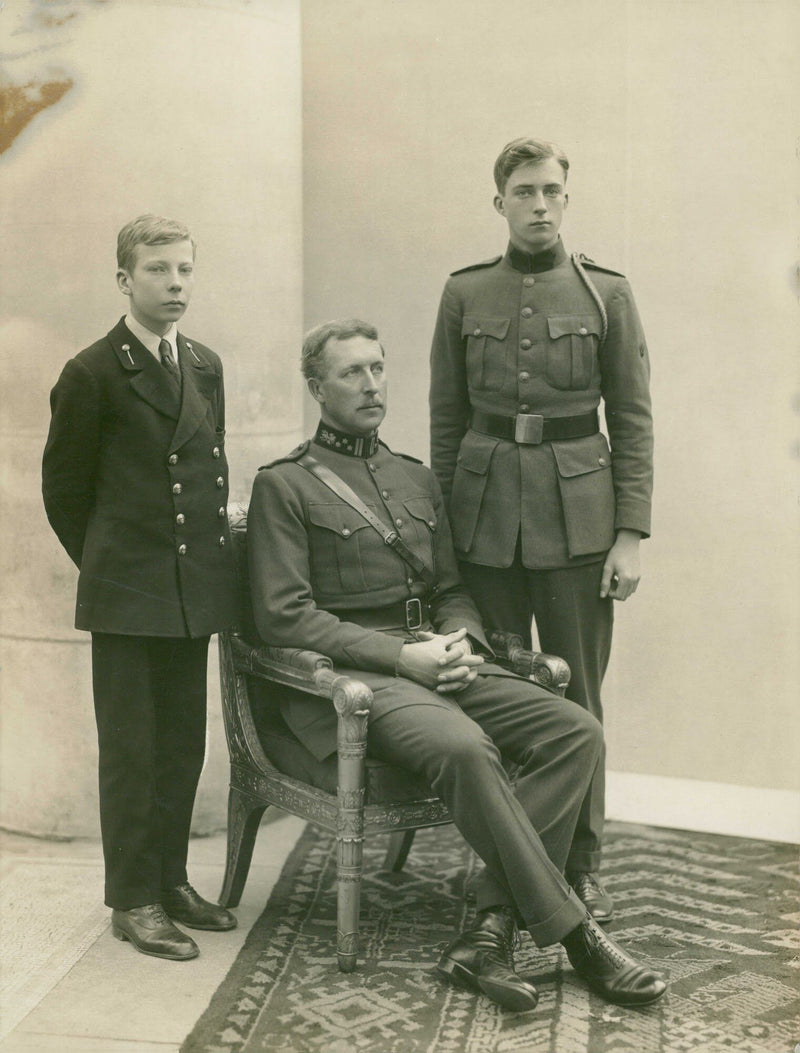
(528, 428)
(414, 613)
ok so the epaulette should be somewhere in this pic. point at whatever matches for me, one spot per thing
(294, 455)
(405, 456)
(596, 266)
(477, 266)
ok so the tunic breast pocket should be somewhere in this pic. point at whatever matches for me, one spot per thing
(572, 351)
(339, 540)
(486, 350)
(422, 524)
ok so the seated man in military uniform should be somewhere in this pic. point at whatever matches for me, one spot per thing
(350, 554)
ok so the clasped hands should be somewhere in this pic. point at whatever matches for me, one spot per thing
(445, 663)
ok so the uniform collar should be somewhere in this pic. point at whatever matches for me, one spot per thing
(535, 263)
(341, 442)
(150, 339)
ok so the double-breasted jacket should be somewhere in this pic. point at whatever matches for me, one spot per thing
(135, 485)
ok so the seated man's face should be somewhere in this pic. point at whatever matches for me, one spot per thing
(352, 393)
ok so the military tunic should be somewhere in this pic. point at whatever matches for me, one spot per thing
(521, 335)
(322, 578)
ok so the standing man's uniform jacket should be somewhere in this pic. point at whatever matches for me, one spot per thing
(135, 485)
(520, 337)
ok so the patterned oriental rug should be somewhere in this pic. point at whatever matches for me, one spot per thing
(718, 915)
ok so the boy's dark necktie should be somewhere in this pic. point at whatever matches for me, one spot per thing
(168, 362)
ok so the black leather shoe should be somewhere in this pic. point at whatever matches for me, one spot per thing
(593, 896)
(608, 969)
(188, 907)
(150, 931)
(482, 959)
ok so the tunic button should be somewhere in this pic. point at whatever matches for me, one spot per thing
(345, 532)
(477, 332)
(177, 489)
(221, 542)
(583, 330)
(220, 482)
(180, 519)
(524, 407)
(524, 376)
(221, 512)
(601, 460)
(173, 458)
(431, 523)
(384, 493)
(398, 522)
(215, 452)
(526, 312)
(373, 467)
(181, 550)
(409, 582)
(524, 344)
(529, 281)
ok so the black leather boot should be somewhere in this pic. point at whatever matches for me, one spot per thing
(592, 894)
(608, 969)
(482, 959)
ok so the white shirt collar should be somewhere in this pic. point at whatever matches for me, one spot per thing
(150, 339)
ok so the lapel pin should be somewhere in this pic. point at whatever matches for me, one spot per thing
(127, 349)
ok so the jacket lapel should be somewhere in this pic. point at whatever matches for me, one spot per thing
(147, 377)
(200, 382)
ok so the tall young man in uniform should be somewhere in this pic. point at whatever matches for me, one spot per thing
(323, 577)
(546, 518)
(135, 485)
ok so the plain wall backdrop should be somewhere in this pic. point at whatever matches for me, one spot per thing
(679, 119)
(189, 110)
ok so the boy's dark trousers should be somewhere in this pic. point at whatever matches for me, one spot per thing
(150, 706)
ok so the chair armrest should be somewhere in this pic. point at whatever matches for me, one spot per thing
(304, 670)
(547, 670)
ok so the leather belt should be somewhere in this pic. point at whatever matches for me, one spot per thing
(409, 614)
(530, 429)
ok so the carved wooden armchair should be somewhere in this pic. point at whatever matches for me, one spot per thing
(348, 794)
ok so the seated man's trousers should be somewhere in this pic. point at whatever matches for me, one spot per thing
(522, 833)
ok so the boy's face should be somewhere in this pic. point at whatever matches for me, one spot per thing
(160, 284)
(533, 204)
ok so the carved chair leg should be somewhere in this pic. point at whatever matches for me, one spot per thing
(349, 865)
(244, 816)
(397, 851)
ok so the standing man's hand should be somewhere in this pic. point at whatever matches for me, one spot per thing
(444, 663)
(622, 569)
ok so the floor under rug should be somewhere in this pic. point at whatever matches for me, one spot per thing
(717, 915)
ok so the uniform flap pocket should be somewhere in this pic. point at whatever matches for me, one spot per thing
(480, 325)
(340, 518)
(579, 456)
(421, 508)
(476, 452)
(573, 325)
